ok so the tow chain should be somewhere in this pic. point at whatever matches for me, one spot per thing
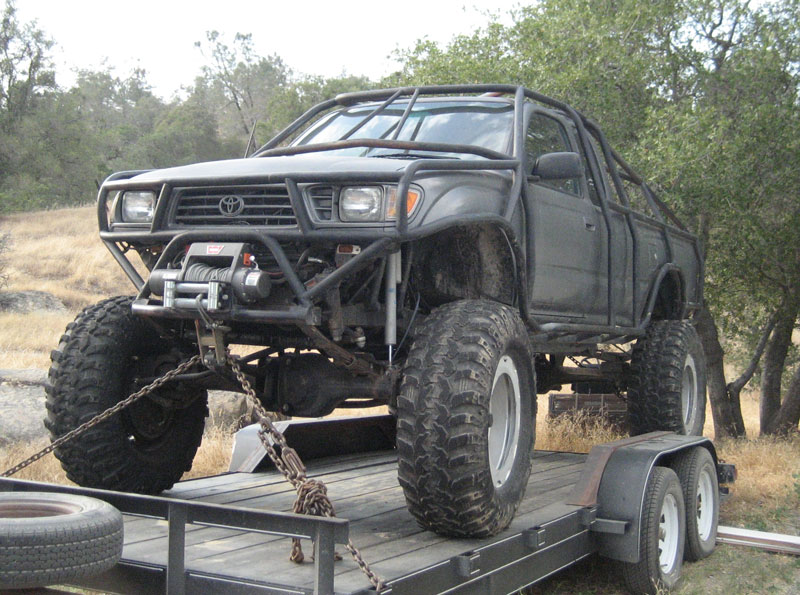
(155, 385)
(312, 494)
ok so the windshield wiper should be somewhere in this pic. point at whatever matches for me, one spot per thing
(406, 155)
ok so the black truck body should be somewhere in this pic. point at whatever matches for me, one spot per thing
(581, 265)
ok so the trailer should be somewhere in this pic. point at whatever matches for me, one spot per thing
(230, 533)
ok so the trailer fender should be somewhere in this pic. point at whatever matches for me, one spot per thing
(623, 468)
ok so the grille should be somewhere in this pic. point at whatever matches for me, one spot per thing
(247, 205)
(322, 202)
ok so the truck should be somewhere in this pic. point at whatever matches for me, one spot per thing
(447, 251)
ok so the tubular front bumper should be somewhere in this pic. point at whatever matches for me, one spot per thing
(303, 312)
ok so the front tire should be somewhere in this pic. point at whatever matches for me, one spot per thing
(144, 448)
(466, 419)
(667, 384)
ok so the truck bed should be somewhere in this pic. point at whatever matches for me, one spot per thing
(365, 491)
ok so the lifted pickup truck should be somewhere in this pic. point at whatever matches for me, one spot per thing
(443, 250)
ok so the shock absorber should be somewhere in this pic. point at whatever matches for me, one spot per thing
(393, 277)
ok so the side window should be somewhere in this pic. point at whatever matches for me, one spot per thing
(591, 183)
(546, 135)
(633, 192)
(605, 171)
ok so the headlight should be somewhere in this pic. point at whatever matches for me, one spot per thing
(361, 204)
(138, 206)
(391, 202)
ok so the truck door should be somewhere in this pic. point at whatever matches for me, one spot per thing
(569, 235)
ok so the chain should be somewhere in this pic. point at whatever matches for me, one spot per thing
(153, 386)
(312, 495)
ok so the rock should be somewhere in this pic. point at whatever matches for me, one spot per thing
(31, 377)
(24, 302)
(229, 410)
(22, 413)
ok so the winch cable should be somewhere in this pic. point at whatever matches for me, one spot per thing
(312, 494)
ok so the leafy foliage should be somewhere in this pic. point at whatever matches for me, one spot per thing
(702, 95)
(56, 144)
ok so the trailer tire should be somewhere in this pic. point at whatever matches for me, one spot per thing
(661, 536)
(466, 419)
(50, 538)
(698, 476)
(144, 448)
(667, 383)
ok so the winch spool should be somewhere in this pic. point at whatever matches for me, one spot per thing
(248, 283)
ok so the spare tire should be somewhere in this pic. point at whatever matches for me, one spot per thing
(50, 538)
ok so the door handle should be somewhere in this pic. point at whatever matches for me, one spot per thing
(589, 225)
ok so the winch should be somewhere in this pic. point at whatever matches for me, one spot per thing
(216, 273)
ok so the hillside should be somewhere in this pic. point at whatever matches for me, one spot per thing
(58, 252)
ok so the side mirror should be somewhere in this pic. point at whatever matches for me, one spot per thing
(558, 166)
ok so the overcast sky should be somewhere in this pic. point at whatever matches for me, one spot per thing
(324, 38)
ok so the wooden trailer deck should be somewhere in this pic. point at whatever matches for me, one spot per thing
(364, 490)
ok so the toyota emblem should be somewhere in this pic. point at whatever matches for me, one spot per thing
(230, 206)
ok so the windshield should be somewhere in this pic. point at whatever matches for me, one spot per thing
(481, 123)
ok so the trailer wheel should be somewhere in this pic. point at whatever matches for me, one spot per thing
(698, 476)
(661, 536)
(146, 447)
(465, 419)
(667, 384)
(49, 538)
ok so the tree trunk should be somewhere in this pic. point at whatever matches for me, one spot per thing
(772, 370)
(725, 408)
(787, 418)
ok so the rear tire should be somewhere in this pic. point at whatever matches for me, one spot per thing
(661, 536)
(49, 538)
(465, 419)
(698, 476)
(667, 384)
(146, 447)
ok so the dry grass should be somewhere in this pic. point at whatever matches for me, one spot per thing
(214, 453)
(576, 432)
(766, 495)
(26, 339)
(46, 469)
(58, 252)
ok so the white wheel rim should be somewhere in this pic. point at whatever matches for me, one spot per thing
(688, 390)
(504, 408)
(668, 534)
(705, 505)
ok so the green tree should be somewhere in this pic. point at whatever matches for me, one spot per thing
(25, 67)
(241, 87)
(186, 133)
(701, 94)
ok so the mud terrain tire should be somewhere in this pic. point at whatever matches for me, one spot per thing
(146, 447)
(466, 419)
(667, 385)
(48, 538)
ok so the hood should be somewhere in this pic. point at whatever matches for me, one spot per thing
(313, 163)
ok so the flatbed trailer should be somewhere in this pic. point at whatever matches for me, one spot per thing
(230, 533)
